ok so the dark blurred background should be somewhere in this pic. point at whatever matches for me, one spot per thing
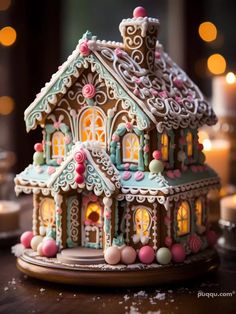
(37, 36)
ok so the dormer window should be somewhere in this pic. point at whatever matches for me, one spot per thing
(130, 148)
(189, 143)
(58, 145)
(165, 147)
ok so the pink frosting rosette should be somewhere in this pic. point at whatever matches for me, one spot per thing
(89, 91)
(194, 243)
(84, 49)
(80, 156)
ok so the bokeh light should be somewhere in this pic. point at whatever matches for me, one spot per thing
(230, 78)
(4, 5)
(216, 64)
(207, 31)
(7, 105)
(7, 36)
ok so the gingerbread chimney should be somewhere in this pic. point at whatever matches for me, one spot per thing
(139, 36)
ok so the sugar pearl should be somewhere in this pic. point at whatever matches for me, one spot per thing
(146, 254)
(36, 240)
(112, 255)
(128, 255)
(163, 256)
(26, 238)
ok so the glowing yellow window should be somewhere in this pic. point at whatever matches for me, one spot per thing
(142, 221)
(189, 140)
(92, 126)
(130, 147)
(58, 145)
(93, 213)
(183, 219)
(165, 147)
(47, 212)
(198, 211)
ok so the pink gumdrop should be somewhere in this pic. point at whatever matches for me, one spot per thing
(80, 169)
(211, 237)
(38, 147)
(79, 179)
(49, 248)
(156, 154)
(178, 253)
(26, 238)
(128, 255)
(139, 12)
(146, 254)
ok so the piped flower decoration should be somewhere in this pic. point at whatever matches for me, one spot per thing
(89, 91)
(84, 48)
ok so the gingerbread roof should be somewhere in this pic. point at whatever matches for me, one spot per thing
(159, 93)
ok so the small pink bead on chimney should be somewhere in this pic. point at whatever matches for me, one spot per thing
(139, 12)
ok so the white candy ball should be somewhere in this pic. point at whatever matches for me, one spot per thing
(163, 256)
(112, 255)
(36, 240)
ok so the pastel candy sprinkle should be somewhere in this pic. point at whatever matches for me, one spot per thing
(126, 175)
(139, 175)
(51, 170)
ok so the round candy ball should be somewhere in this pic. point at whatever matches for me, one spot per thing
(38, 147)
(163, 256)
(146, 254)
(40, 249)
(139, 12)
(49, 248)
(156, 166)
(112, 255)
(26, 238)
(128, 255)
(156, 154)
(79, 179)
(178, 253)
(36, 240)
(38, 158)
(80, 169)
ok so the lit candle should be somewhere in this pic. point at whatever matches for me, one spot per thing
(217, 157)
(9, 216)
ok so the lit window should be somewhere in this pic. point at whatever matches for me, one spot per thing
(198, 211)
(183, 219)
(92, 127)
(189, 140)
(58, 145)
(93, 213)
(130, 147)
(47, 212)
(142, 221)
(165, 147)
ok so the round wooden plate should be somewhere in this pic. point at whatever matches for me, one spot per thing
(109, 276)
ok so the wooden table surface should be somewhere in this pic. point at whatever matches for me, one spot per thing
(20, 294)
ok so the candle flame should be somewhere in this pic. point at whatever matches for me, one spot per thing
(230, 78)
(207, 144)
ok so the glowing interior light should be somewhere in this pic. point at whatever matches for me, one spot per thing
(230, 78)
(7, 36)
(6, 105)
(207, 144)
(207, 31)
(216, 64)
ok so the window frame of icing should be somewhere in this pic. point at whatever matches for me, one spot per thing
(50, 229)
(171, 146)
(101, 115)
(182, 237)
(190, 159)
(116, 149)
(69, 202)
(134, 209)
(50, 130)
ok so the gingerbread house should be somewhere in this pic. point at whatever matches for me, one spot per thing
(120, 161)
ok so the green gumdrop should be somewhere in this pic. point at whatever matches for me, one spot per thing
(38, 158)
(201, 158)
(156, 166)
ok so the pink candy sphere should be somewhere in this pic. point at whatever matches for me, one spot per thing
(38, 147)
(178, 253)
(139, 12)
(80, 169)
(156, 154)
(146, 254)
(49, 248)
(79, 179)
(128, 255)
(112, 255)
(26, 238)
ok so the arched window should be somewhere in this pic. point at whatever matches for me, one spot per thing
(93, 213)
(130, 147)
(189, 140)
(165, 147)
(183, 219)
(199, 211)
(47, 212)
(58, 145)
(92, 126)
(142, 221)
